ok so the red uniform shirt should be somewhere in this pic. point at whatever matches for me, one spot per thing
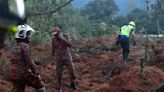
(21, 62)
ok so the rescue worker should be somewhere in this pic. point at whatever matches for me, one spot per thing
(11, 12)
(61, 47)
(125, 33)
(23, 69)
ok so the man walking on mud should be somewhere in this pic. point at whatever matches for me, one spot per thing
(23, 69)
(124, 35)
(61, 53)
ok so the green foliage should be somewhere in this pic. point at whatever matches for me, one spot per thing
(140, 17)
(101, 10)
(161, 15)
(120, 21)
(161, 23)
(85, 22)
(105, 29)
(144, 20)
(44, 23)
(37, 39)
(72, 21)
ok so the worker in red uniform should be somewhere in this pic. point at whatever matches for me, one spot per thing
(61, 51)
(23, 69)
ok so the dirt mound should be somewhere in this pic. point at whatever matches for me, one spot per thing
(94, 45)
(129, 81)
(5, 86)
(157, 55)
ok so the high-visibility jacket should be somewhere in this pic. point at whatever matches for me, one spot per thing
(126, 30)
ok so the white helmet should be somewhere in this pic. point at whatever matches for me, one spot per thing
(23, 31)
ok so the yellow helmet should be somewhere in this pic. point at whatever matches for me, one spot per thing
(132, 23)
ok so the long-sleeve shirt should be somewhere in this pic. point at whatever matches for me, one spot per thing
(21, 61)
(61, 48)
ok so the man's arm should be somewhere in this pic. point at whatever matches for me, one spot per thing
(64, 40)
(133, 37)
(53, 47)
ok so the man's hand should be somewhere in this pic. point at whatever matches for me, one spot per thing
(60, 36)
(55, 31)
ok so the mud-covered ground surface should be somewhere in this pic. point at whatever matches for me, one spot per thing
(98, 69)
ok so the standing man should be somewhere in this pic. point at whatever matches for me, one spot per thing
(125, 33)
(23, 69)
(61, 51)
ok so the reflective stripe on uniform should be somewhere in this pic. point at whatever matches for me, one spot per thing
(126, 30)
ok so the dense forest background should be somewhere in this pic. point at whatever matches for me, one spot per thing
(98, 17)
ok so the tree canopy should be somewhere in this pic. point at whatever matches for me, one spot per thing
(100, 10)
(96, 18)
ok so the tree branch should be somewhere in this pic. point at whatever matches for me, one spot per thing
(50, 12)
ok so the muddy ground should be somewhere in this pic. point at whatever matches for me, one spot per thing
(98, 69)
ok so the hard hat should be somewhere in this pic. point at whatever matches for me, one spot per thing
(24, 31)
(55, 30)
(132, 23)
